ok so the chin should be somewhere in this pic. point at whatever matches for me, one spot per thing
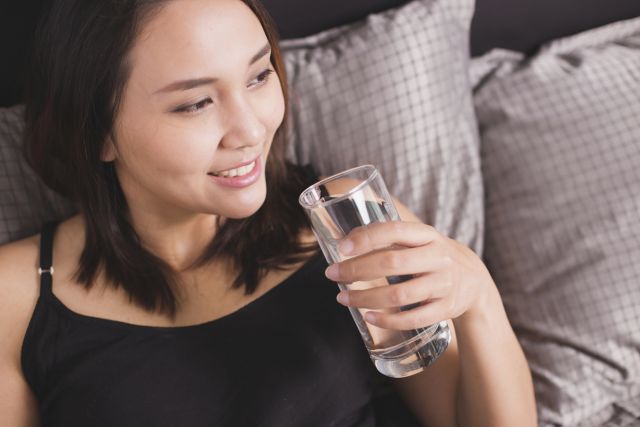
(242, 210)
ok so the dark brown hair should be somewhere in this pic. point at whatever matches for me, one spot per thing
(78, 75)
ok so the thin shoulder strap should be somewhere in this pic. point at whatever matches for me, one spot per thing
(46, 257)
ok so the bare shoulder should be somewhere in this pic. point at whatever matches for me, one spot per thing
(19, 288)
(18, 264)
(18, 295)
(18, 268)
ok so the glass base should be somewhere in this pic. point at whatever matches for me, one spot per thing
(413, 356)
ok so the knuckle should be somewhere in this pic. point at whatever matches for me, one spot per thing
(348, 270)
(392, 260)
(441, 251)
(437, 249)
(447, 283)
(447, 260)
(397, 227)
(352, 236)
(355, 297)
(450, 278)
(362, 237)
(437, 236)
(398, 295)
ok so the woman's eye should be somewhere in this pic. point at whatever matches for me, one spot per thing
(194, 108)
(261, 78)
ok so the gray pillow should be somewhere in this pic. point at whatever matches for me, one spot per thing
(25, 202)
(561, 161)
(393, 90)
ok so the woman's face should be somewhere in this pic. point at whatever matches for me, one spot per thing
(202, 101)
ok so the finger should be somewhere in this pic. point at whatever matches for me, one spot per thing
(390, 262)
(384, 234)
(417, 290)
(419, 317)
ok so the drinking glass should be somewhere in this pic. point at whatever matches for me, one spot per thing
(361, 198)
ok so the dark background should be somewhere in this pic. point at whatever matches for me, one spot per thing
(514, 24)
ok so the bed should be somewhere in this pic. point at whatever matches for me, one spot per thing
(519, 123)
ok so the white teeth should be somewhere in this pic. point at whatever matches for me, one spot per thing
(242, 170)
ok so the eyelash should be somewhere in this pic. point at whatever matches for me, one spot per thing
(262, 78)
(194, 108)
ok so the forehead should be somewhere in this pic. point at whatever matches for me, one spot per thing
(196, 36)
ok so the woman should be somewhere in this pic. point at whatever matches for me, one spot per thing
(189, 291)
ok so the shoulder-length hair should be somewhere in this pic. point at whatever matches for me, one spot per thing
(79, 70)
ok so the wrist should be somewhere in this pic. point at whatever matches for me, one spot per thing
(486, 311)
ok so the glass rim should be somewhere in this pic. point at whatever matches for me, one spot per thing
(373, 175)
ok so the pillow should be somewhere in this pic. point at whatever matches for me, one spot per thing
(393, 91)
(25, 202)
(561, 163)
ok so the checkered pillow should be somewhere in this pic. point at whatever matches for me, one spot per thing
(393, 91)
(25, 202)
(561, 161)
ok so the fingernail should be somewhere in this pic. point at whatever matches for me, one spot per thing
(332, 272)
(343, 298)
(345, 247)
(370, 317)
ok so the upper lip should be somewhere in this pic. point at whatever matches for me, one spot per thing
(248, 162)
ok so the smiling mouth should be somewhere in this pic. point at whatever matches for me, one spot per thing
(240, 171)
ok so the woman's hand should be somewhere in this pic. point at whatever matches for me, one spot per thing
(475, 384)
(450, 282)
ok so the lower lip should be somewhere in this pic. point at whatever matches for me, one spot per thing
(240, 181)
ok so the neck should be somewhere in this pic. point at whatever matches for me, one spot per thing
(177, 241)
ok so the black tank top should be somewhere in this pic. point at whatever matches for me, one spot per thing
(292, 357)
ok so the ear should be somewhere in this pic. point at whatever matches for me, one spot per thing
(109, 152)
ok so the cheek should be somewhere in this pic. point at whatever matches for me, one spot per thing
(273, 109)
(165, 147)
(273, 116)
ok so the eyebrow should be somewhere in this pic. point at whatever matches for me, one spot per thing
(193, 83)
(266, 49)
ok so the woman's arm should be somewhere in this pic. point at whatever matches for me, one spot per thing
(18, 295)
(483, 378)
(495, 386)
(17, 404)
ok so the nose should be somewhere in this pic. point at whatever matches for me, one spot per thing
(244, 127)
